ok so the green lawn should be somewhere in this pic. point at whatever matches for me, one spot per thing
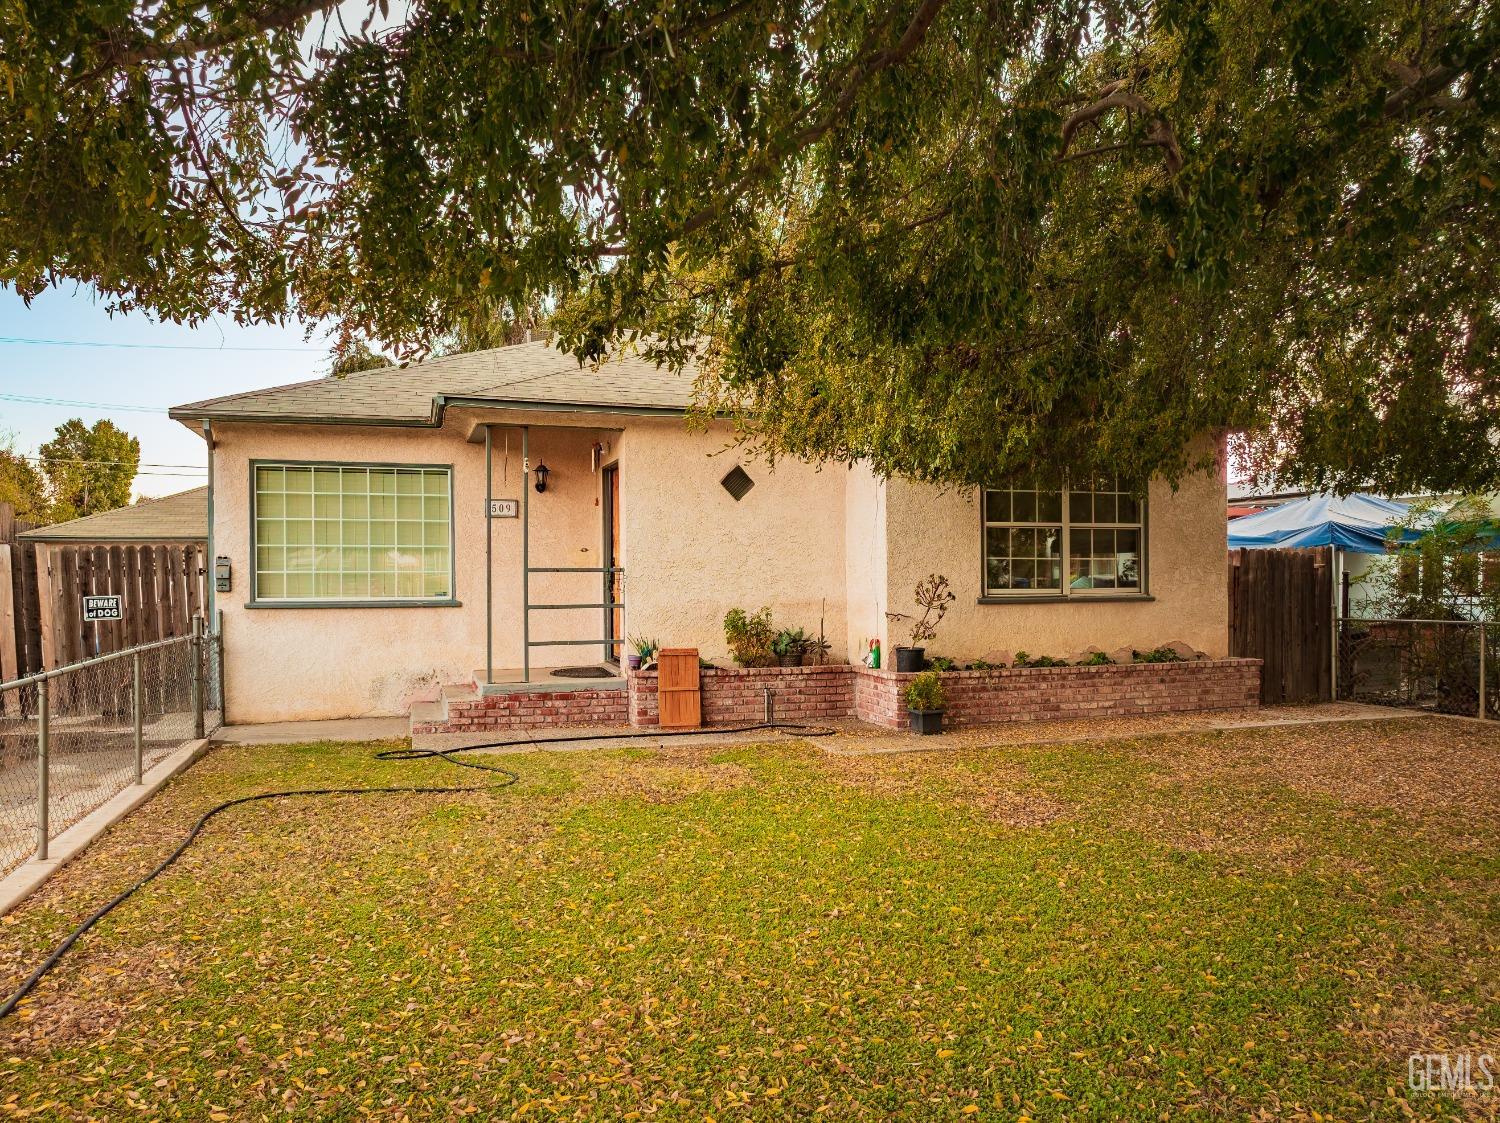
(1257, 923)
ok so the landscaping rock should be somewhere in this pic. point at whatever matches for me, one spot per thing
(1122, 655)
(1184, 650)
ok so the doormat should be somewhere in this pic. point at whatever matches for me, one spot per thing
(584, 672)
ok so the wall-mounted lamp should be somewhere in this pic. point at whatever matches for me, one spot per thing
(542, 472)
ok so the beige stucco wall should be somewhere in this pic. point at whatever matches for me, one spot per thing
(866, 582)
(835, 542)
(692, 552)
(932, 531)
(292, 663)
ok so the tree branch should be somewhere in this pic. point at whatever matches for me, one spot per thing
(858, 75)
(1159, 132)
(116, 52)
(1422, 91)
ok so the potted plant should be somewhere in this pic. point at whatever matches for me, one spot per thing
(789, 647)
(643, 650)
(925, 702)
(933, 597)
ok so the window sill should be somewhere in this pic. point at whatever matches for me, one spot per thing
(354, 604)
(1077, 598)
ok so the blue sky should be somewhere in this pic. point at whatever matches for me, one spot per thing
(155, 372)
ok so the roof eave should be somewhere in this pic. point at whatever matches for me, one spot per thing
(434, 419)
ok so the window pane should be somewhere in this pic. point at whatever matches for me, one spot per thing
(1027, 553)
(1049, 507)
(1104, 507)
(1080, 507)
(1130, 509)
(352, 532)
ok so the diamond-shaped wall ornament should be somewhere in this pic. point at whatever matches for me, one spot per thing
(737, 482)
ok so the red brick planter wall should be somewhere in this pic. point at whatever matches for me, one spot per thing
(533, 708)
(736, 696)
(1066, 693)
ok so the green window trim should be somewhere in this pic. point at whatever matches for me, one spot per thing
(351, 534)
(1040, 544)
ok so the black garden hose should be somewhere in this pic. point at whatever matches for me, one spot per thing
(450, 755)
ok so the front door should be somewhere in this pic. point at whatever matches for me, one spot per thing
(614, 583)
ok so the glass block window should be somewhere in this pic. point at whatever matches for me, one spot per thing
(1063, 542)
(351, 532)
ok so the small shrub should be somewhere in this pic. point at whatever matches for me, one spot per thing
(644, 647)
(985, 665)
(925, 692)
(941, 663)
(1096, 659)
(933, 596)
(1024, 660)
(750, 638)
(1159, 655)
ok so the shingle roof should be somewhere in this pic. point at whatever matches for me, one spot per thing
(525, 376)
(172, 518)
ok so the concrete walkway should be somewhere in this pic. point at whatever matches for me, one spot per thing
(337, 729)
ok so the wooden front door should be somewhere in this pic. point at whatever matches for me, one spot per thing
(614, 584)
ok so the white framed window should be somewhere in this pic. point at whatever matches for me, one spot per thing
(330, 533)
(1063, 542)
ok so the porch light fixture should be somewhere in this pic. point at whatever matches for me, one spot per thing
(542, 472)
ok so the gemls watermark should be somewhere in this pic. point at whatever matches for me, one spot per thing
(1454, 1073)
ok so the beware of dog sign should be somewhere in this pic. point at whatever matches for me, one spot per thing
(109, 607)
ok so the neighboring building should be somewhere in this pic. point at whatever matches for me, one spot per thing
(182, 517)
(353, 515)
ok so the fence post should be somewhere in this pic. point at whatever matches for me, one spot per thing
(195, 650)
(1483, 703)
(136, 710)
(43, 737)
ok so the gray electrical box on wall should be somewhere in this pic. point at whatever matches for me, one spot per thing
(221, 575)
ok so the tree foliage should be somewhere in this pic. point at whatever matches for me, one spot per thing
(89, 468)
(22, 484)
(965, 242)
(1443, 563)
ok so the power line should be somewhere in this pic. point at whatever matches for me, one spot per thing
(106, 463)
(18, 340)
(31, 399)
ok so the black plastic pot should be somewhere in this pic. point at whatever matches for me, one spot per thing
(789, 660)
(926, 722)
(910, 659)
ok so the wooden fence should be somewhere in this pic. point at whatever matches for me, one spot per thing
(42, 586)
(1281, 612)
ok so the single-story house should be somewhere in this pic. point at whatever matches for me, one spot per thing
(474, 522)
(182, 517)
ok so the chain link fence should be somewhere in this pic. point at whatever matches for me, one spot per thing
(72, 738)
(1441, 666)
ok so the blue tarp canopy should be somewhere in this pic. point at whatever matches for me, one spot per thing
(1356, 522)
